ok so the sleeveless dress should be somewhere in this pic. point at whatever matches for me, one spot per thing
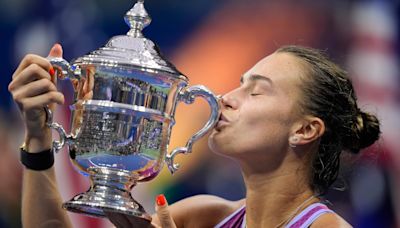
(302, 220)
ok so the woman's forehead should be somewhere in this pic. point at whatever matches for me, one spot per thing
(278, 67)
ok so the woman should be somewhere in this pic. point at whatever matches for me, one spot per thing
(286, 125)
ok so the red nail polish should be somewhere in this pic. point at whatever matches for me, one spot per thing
(160, 200)
(52, 72)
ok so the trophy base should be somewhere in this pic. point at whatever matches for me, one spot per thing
(108, 196)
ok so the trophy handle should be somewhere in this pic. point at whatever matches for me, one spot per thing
(57, 145)
(188, 95)
(63, 71)
(63, 68)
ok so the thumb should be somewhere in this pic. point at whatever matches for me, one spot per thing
(163, 214)
(56, 51)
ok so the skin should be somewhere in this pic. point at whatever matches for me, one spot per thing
(265, 107)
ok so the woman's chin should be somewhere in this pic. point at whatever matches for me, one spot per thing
(217, 145)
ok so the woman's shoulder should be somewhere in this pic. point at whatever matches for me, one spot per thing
(191, 211)
(330, 220)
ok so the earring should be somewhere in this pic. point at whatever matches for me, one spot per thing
(293, 140)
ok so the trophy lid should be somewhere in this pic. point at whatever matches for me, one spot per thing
(132, 49)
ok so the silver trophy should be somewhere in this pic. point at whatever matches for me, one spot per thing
(125, 95)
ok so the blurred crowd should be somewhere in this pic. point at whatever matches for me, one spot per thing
(213, 43)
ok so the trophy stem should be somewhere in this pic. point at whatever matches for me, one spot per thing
(109, 193)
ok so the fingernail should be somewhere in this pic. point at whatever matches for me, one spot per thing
(52, 72)
(160, 200)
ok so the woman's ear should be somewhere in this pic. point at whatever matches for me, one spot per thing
(308, 130)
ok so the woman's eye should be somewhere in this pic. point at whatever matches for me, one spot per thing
(255, 94)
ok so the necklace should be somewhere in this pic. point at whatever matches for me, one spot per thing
(285, 221)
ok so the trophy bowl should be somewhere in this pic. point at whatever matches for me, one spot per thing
(125, 95)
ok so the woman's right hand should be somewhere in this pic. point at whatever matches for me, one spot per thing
(33, 86)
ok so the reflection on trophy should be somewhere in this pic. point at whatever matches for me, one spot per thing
(122, 116)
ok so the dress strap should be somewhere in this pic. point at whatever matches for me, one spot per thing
(234, 220)
(309, 215)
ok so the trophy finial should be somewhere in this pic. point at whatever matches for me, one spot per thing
(137, 18)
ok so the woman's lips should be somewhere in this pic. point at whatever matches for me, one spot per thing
(223, 121)
(223, 118)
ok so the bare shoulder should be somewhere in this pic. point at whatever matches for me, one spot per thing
(330, 220)
(190, 212)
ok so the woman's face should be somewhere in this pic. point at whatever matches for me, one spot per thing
(258, 117)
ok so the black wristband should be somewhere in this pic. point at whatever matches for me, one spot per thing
(37, 161)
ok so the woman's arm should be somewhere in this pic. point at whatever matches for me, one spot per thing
(41, 201)
(32, 88)
(196, 211)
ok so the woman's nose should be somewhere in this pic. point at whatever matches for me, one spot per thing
(228, 101)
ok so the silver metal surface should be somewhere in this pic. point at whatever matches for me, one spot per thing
(57, 145)
(188, 95)
(125, 96)
(107, 195)
(132, 49)
(137, 18)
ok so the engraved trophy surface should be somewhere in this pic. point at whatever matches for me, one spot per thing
(125, 96)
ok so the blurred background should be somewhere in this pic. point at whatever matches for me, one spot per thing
(214, 43)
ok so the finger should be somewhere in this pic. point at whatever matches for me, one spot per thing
(74, 83)
(87, 88)
(56, 51)
(32, 59)
(88, 96)
(32, 73)
(41, 100)
(163, 214)
(33, 89)
(89, 83)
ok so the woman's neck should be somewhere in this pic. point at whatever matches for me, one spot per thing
(274, 198)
